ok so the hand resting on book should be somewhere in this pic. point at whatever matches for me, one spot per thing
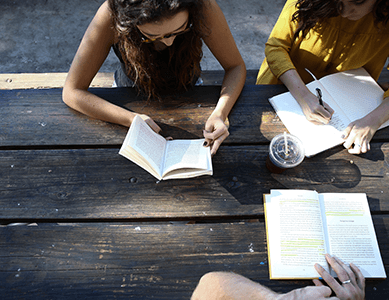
(352, 282)
(149, 121)
(351, 288)
(359, 133)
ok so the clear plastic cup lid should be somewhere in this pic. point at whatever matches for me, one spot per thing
(286, 155)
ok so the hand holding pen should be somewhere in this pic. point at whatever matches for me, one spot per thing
(320, 98)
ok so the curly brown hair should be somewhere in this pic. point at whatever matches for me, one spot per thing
(139, 58)
(311, 12)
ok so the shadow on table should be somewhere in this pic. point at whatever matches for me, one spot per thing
(342, 172)
(245, 176)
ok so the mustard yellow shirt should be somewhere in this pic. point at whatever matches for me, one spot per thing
(337, 45)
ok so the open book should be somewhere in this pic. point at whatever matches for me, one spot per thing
(351, 94)
(302, 226)
(165, 159)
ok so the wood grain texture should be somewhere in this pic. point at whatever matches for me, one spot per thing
(160, 261)
(99, 183)
(40, 118)
(56, 80)
(132, 239)
(49, 121)
(13, 81)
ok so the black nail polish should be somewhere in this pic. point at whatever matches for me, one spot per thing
(205, 144)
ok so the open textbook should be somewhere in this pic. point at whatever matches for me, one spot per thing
(302, 226)
(351, 94)
(165, 159)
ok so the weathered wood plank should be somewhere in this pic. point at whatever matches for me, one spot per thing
(215, 77)
(57, 80)
(40, 118)
(159, 261)
(13, 81)
(46, 80)
(99, 183)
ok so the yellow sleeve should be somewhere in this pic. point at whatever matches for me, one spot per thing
(280, 41)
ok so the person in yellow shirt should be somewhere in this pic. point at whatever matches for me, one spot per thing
(329, 36)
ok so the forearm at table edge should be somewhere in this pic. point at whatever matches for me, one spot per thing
(93, 106)
(233, 83)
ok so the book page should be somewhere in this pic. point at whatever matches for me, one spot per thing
(351, 235)
(149, 145)
(186, 154)
(295, 234)
(316, 138)
(355, 92)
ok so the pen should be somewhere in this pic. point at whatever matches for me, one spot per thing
(319, 96)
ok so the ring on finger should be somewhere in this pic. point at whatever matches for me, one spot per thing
(346, 281)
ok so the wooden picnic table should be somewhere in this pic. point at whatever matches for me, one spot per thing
(80, 221)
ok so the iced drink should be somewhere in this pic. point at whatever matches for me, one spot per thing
(285, 151)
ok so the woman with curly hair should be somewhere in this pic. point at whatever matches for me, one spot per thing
(159, 45)
(325, 37)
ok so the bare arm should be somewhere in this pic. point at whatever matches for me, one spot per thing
(230, 286)
(223, 286)
(221, 43)
(307, 101)
(91, 54)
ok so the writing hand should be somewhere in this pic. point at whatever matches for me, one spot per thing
(151, 123)
(215, 133)
(314, 111)
(352, 282)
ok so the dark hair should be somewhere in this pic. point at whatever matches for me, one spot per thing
(140, 61)
(311, 12)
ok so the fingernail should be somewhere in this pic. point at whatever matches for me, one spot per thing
(205, 144)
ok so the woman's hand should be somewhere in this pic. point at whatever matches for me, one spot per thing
(358, 135)
(151, 123)
(352, 282)
(308, 102)
(360, 132)
(215, 133)
(313, 111)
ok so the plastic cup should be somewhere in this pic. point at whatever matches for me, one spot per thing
(282, 157)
